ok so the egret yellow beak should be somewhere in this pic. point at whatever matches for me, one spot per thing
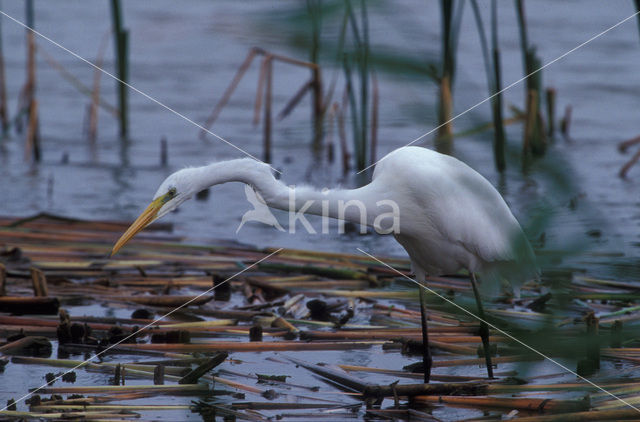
(147, 217)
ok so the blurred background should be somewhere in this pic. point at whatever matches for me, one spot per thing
(355, 80)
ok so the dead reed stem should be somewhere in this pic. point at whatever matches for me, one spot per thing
(32, 145)
(81, 87)
(525, 404)
(213, 346)
(266, 149)
(4, 114)
(627, 166)
(95, 96)
(229, 91)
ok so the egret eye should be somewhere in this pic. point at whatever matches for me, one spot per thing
(172, 192)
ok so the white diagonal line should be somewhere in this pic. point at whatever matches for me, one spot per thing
(149, 97)
(144, 328)
(512, 85)
(500, 331)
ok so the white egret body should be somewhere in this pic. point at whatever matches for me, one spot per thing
(450, 217)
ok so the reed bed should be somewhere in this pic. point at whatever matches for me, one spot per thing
(275, 340)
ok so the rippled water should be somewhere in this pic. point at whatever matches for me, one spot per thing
(185, 56)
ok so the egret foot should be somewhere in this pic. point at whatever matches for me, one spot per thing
(484, 328)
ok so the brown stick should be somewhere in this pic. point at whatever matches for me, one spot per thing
(283, 323)
(418, 345)
(32, 146)
(482, 361)
(297, 97)
(565, 124)
(82, 88)
(623, 146)
(159, 389)
(473, 389)
(593, 415)
(530, 404)
(95, 95)
(260, 90)
(171, 301)
(293, 61)
(253, 347)
(445, 112)
(39, 283)
(227, 93)
(625, 169)
(393, 335)
(29, 342)
(272, 290)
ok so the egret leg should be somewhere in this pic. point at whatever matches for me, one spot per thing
(426, 349)
(484, 328)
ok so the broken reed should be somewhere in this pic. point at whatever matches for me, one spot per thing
(534, 137)
(622, 147)
(450, 29)
(32, 144)
(264, 94)
(95, 94)
(359, 102)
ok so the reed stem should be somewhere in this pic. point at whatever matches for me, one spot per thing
(32, 146)
(121, 48)
(4, 115)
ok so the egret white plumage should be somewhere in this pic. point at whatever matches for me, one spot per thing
(450, 217)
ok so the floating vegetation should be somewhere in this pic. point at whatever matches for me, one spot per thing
(206, 357)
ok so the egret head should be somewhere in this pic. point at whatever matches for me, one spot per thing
(176, 189)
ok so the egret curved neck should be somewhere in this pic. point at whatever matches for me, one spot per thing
(355, 205)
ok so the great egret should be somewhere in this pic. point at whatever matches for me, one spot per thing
(450, 217)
